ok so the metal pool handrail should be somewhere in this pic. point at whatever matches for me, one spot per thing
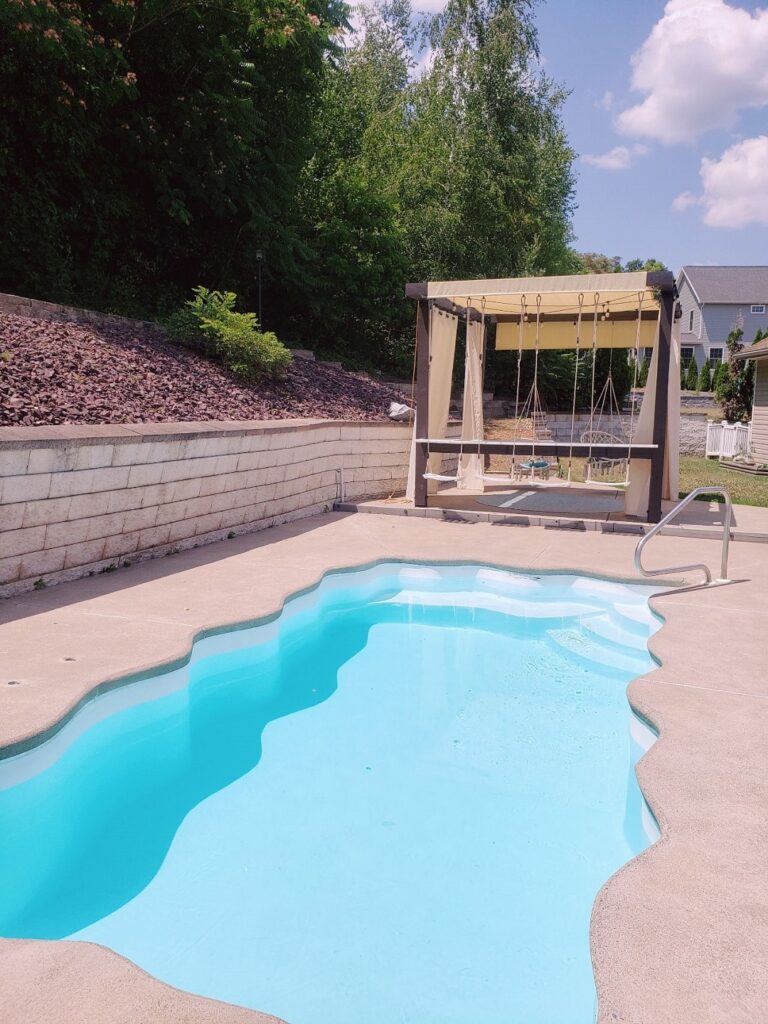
(723, 577)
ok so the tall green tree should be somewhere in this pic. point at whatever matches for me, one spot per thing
(736, 386)
(149, 145)
(692, 375)
(459, 168)
(642, 374)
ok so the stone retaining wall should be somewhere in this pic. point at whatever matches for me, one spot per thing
(39, 310)
(693, 434)
(77, 499)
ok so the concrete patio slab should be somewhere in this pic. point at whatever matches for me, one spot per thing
(678, 935)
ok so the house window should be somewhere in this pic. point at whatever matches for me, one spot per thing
(690, 322)
(758, 309)
(686, 354)
(715, 357)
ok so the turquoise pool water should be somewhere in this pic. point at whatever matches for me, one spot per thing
(395, 803)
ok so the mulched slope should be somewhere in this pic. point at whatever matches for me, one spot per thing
(54, 372)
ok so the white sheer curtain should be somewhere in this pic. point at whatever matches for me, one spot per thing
(470, 478)
(442, 348)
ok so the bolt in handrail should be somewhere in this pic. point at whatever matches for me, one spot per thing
(723, 577)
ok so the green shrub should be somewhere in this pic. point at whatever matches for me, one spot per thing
(642, 374)
(692, 376)
(721, 376)
(704, 377)
(210, 324)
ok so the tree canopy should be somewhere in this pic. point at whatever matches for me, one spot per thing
(159, 144)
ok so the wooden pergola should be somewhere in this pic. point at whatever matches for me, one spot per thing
(560, 304)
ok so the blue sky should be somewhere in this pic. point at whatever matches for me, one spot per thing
(642, 187)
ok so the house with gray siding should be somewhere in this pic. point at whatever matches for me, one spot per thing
(714, 300)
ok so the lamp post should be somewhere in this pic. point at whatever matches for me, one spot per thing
(259, 261)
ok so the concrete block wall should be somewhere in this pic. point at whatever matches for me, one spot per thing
(40, 310)
(77, 499)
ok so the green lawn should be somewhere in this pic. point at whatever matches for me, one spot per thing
(745, 489)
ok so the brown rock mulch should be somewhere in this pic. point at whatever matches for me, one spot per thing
(57, 372)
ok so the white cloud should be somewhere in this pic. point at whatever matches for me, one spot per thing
(617, 159)
(704, 61)
(424, 62)
(606, 101)
(685, 200)
(736, 186)
(429, 6)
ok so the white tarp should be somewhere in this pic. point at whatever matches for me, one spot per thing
(636, 497)
(442, 348)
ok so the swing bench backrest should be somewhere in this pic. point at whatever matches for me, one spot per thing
(601, 437)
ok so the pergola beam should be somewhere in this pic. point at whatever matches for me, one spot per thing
(557, 449)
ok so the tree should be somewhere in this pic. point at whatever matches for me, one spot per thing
(721, 374)
(735, 390)
(642, 375)
(148, 145)
(597, 263)
(647, 265)
(703, 383)
(460, 171)
(692, 375)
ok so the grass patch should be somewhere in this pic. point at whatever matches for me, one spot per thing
(745, 489)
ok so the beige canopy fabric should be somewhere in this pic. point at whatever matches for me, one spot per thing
(556, 294)
(442, 347)
(562, 334)
(550, 309)
(470, 477)
(636, 497)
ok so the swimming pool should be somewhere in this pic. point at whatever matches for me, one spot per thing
(395, 802)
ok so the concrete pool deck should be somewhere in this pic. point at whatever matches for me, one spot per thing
(678, 935)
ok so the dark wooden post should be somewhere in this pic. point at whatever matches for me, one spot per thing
(661, 408)
(422, 400)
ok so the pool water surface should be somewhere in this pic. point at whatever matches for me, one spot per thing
(396, 802)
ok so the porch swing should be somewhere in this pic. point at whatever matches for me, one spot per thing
(533, 466)
(605, 414)
(607, 406)
(631, 311)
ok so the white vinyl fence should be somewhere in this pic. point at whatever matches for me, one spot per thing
(727, 440)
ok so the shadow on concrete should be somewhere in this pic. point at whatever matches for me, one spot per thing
(135, 574)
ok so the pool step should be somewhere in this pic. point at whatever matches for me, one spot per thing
(614, 630)
(599, 654)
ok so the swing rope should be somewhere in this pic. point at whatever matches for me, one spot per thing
(608, 394)
(535, 404)
(523, 318)
(594, 363)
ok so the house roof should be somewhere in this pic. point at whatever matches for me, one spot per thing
(757, 351)
(734, 285)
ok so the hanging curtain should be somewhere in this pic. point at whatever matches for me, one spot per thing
(636, 497)
(442, 348)
(471, 476)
